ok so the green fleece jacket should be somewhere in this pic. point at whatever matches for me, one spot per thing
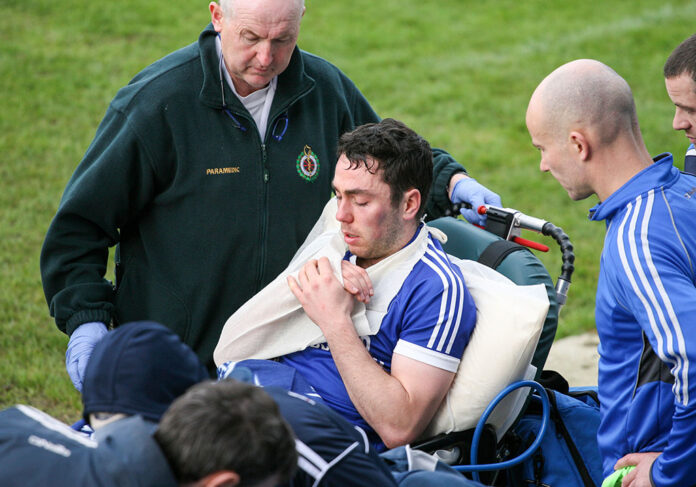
(204, 212)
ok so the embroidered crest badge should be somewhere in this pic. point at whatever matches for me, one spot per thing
(308, 164)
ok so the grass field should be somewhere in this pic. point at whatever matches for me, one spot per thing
(460, 72)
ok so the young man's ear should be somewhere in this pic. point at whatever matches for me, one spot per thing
(580, 144)
(411, 203)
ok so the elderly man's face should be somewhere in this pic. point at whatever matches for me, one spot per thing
(682, 91)
(557, 154)
(257, 40)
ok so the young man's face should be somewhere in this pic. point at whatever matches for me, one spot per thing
(372, 227)
(682, 91)
(257, 40)
(557, 155)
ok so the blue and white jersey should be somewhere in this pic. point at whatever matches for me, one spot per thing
(690, 160)
(646, 320)
(430, 320)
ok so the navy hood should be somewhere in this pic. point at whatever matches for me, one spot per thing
(139, 368)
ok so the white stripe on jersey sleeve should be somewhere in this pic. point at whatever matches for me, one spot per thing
(682, 368)
(366, 442)
(309, 460)
(427, 356)
(451, 294)
(669, 322)
(313, 464)
(53, 424)
(338, 458)
(443, 304)
(457, 301)
(652, 305)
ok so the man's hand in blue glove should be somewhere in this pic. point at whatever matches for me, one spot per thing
(80, 347)
(466, 189)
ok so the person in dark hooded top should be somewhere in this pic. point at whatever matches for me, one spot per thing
(139, 368)
(209, 433)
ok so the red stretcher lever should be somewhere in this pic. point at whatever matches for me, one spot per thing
(531, 244)
(482, 210)
(503, 221)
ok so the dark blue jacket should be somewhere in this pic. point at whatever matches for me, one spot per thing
(331, 451)
(37, 449)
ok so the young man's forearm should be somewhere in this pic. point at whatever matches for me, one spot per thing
(376, 394)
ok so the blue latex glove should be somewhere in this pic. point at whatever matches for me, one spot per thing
(80, 347)
(470, 191)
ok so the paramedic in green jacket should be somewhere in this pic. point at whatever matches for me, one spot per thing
(208, 170)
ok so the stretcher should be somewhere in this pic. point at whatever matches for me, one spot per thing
(481, 452)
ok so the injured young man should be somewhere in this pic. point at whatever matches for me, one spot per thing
(386, 368)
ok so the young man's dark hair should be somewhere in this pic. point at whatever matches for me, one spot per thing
(682, 60)
(403, 156)
(249, 435)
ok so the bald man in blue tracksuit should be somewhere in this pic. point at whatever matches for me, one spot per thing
(646, 294)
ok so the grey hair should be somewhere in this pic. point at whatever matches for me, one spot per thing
(228, 6)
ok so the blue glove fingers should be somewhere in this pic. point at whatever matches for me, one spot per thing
(492, 198)
(80, 347)
(469, 190)
(76, 370)
(72, 368)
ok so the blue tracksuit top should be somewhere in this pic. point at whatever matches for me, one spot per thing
(646, 320)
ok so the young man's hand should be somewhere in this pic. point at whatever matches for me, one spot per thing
(321, 295)
(356, 281)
